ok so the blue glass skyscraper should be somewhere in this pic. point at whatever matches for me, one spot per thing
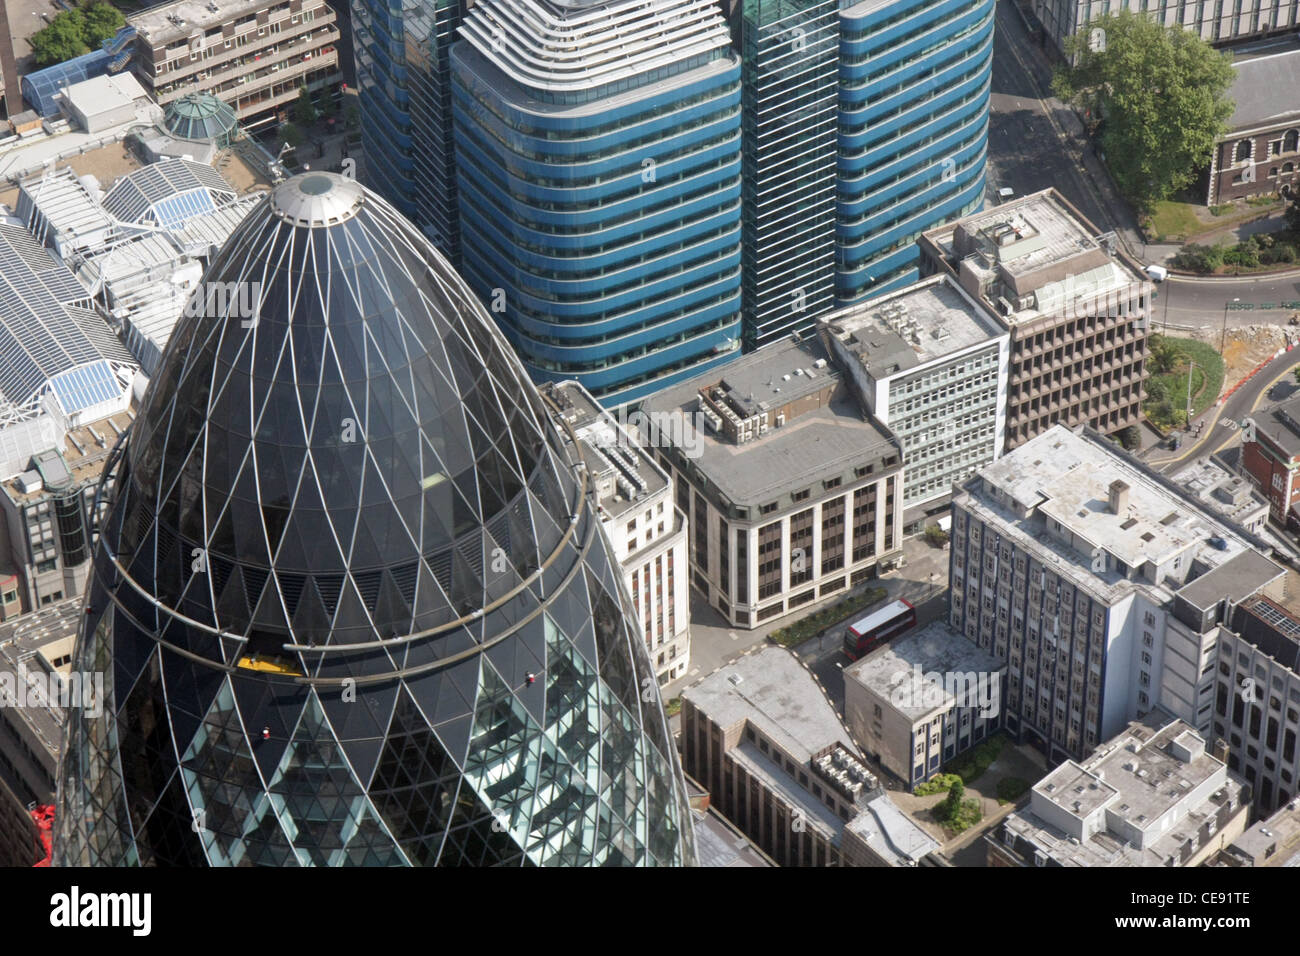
(403, 77)
(914, 104)
(598, 159)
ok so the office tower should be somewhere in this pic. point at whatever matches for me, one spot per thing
(634, 498)
(913, 131)
(1078, 309)
(793, 492)
(931, 364)
(351, 598)
(598, 163)
(790, 51)
(1100, 584)
(404, 84)
(1218, 23)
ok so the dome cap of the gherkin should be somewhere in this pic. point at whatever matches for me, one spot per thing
(340, 430)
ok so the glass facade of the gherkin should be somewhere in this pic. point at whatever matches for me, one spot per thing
(351, 601)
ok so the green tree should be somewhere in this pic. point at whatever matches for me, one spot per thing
(952, 806)
(1296, 373)
(1293, 213)
(1161, 94)
(1163, 355)
(101, 20)
(304, 110)
(292, 134)
(62, 40)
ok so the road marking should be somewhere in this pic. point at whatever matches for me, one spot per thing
(694, 671)
(1228, 423)
(733, 635)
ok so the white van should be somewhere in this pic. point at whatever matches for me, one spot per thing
(1157, 273)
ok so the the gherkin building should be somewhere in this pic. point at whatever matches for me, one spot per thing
(351, 601)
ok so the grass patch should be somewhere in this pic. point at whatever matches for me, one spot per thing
(939, 783)
(1011, 789)
(673, 707)
(971, 765)
(1172, 220)
(1171, 361)
(795, 634)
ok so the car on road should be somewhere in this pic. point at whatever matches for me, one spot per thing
(1157, 273)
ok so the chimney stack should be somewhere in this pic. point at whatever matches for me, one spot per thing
(1118, 497)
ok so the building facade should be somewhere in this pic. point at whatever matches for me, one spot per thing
(599, 174)
(1270, 458)
(254, 54)
(792, 492)
(1257, 696)
(1153, 796)
(1098, 583)
(1258, 154)
(930, 363)
(382, 629)
(923, 699)
(647, 531)
(404, 84)
(1215, 21)
(762, 737)
(1077, 308)
(790, 52)
(914, 80)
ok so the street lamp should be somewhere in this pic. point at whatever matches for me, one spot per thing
(1223, 339)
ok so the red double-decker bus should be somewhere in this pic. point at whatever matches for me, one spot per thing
(878, 627)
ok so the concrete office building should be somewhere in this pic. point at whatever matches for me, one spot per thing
(1228, 494)
(792, 492)
(1258, 154)
(1271, 842)
(923, 699)
(1215, 22)
(1152, 796)
(1257, 693)
(19, 839)
(930, 362)
(914, 81)
(762, 737)
(634, 498)
(598, 163)
(1076, 306)
(253, 54)
(1098, 582)
(37, 645)
(1270, 458)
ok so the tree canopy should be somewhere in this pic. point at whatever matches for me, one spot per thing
(74, 32)
(1161, 94)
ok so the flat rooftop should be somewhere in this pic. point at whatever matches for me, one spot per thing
(934, 648)
(1035, 256)
(772, 690)
(84, 449)
(815, 444)
(1145, 779)
(1271, 842)
(1235, 580)
(914, 326)
(156, 25)
(1218, 488)
(1067, 479)
(41, 641)
(608, 447)
(891, 833)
